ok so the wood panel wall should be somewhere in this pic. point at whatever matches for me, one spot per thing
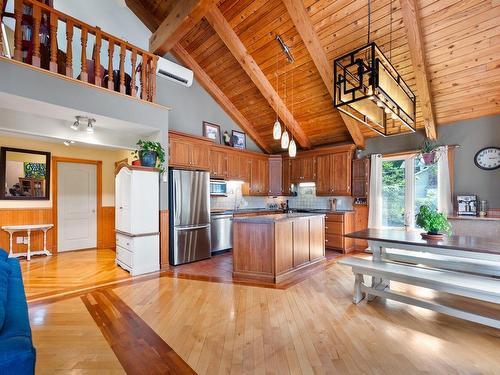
(24, 216)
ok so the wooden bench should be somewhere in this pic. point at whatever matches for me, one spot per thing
(477, 287)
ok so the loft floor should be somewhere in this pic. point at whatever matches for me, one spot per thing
(181, 325)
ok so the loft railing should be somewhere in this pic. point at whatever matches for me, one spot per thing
(38, 29)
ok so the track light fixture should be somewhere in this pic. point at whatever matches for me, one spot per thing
(90, 125)
(68, 142)
(81, 120)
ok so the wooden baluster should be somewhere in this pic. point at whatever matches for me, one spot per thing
(153, 79)
(133, 60)
(37, 18)
(111, 48)
(18, 35)
(97, 57)
(84, 75)
(53, 42)
(144, 84)
(69, 48)
(123, 51)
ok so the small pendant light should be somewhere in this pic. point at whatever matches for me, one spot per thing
(277, 130)
(285, 140)
(292, 149)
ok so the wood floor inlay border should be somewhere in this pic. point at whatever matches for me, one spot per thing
(136, 345)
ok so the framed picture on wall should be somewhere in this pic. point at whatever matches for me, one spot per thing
(239, 140)
(212, 131)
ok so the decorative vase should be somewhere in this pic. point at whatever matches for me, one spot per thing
(148, 158)
(136, 162)
(429, 158)
(432, 236)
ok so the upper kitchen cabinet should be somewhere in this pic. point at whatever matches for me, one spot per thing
(259, 176)
(303, 169)
(360, 177)
(237, 166)
(275, 175)
(189, 152)
(287, 184)
(218, 163)
(333, 170)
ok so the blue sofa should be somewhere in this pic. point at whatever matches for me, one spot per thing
(17, 354)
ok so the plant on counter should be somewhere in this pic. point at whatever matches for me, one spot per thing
(435, 223)
(151, 154)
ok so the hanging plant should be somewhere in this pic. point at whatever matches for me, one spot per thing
(429, 152)
(151, 154)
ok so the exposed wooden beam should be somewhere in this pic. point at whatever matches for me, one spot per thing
(183, 17)
(304, 27)
(234, 44)
(208, 84)
(411, 19)
(143, 13)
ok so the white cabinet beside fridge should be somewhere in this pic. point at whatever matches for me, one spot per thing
(137, 220)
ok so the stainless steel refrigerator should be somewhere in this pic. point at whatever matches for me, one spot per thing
(189, 202)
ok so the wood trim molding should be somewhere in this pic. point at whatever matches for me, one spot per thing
(305, 28)
(98, 164)
(411, 19)
(164, 239)
(208, 84)
(250, 66)
(183, 17)
(134, 168)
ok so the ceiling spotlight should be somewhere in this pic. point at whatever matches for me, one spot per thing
(68, 142)
(90, 125)
(76, 124)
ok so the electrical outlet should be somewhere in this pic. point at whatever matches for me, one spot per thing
(19, 240)
(25, 240)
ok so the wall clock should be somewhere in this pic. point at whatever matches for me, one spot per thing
(488, 158)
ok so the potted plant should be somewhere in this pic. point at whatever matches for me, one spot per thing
(435, 223)
(150, 153)
(428, 152)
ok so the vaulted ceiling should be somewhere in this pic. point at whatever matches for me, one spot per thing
(450, 57)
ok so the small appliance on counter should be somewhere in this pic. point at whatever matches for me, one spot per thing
(189, 200)
(218, 188)
(467, 205)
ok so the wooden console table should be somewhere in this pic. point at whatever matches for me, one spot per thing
(11, 229)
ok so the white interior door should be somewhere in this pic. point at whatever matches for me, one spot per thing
(76, 206)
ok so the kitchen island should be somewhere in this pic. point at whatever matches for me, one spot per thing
(275, 247)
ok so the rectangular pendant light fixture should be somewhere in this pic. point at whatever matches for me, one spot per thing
(369, 89)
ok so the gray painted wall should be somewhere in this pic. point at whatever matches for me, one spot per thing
(471, 135)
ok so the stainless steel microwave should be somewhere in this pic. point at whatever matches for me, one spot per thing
(218, 188)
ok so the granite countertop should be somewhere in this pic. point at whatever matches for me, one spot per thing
(479, 218)
(271, 218)
(243, 211)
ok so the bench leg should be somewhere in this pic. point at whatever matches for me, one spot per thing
(358, 294)
(378, 284)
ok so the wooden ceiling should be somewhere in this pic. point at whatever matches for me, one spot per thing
(455, 49)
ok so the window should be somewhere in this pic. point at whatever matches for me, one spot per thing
(407, 183)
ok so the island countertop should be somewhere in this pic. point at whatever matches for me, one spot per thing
(276, 217)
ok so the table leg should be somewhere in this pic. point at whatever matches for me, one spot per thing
(45, 242)
(10, 244)
(28, 256)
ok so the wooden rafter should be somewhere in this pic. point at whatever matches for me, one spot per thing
(183, 56)
(302, 23)
(183, 17)
(411, 19)
(249, 65)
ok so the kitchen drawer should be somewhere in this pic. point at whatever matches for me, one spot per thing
(334, 227)
(124, 241)
(334, 217)
(334, 240)
(124, 256)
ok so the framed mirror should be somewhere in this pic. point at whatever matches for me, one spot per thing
(24, 174)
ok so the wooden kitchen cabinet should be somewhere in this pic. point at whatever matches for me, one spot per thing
(337, 225)
(303, 169)
(333, 174)
(259, 176)
(360, 223)
(218, 164)
(287, 184)
(238, 167)
(189, 152)
(360, 177)
(275, 175)
(324, 180)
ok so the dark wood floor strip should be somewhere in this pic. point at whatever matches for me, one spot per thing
(138, 348)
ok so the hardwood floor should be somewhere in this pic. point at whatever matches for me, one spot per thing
(69, 272)
(226, 328)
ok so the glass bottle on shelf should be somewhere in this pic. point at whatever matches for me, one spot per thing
(483, 208)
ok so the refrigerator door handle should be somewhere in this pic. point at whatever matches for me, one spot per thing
(192, 228)
(177, 198)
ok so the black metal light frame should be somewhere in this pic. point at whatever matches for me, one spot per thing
(374, 60)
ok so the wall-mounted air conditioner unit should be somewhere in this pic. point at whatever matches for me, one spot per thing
(174, 72)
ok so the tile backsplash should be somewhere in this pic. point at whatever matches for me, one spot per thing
(306, 198)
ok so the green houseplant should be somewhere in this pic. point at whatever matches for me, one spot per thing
(428, 152)
(150, 153)
(435, 223)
